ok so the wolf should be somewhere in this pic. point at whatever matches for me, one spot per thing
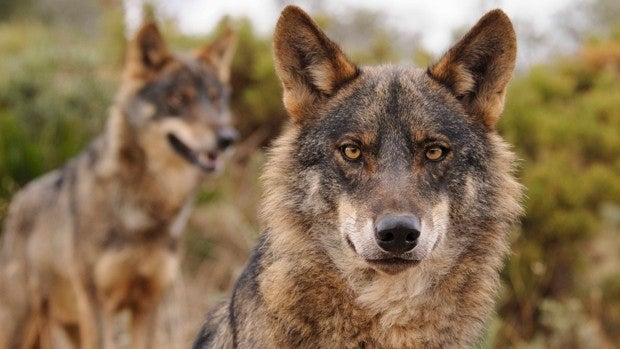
(101, 234)
(388, 200)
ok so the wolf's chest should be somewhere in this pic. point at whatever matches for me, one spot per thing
(134, 277)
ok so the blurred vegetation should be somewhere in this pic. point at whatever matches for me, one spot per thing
(564, 120)
(562, 281)
(54, 93)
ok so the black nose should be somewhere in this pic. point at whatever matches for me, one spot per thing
(226, 137)
(397, 233)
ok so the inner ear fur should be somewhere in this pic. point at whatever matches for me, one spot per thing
(147, 53)
(310, 66)
(478, 68)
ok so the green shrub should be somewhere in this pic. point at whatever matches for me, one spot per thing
(564, 120)
(53, 99)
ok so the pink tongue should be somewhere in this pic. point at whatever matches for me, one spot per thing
(207, 158)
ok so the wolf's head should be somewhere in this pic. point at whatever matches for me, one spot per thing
(398, 162)
(176, 107)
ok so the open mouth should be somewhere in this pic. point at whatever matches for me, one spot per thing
(207, 161)
(392, 265)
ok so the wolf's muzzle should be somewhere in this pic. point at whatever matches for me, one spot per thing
(397, 234)
(207, 159)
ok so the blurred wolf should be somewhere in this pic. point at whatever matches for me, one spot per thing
(388, 201)
(101, 234)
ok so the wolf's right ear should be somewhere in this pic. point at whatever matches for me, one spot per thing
(310, 66)
(147, 53)
(478, 67)
(220, 53)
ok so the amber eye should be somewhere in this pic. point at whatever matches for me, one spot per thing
(434, 153)
(177, 101)
(181, 99)
(351, 152)
(213, 93)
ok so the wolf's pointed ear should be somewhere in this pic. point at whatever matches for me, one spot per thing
(310, 66)
(478, 67)
(220, 53)
(147, 53)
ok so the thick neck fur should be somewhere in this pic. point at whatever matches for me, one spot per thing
(442, 302)
(144, 189)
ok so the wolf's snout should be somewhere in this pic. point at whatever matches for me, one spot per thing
(226, 137)
(397, 233)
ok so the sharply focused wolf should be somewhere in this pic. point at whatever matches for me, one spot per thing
(101, 234)
(389, 198)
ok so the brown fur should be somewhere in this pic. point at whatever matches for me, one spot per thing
(319, 277)
(311, 66)
(100, 235)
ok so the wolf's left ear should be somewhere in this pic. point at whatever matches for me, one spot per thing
(310, 66)
(220, 53)
(147, 53)
(478, 67)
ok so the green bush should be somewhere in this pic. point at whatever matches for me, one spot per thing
(53, 99)
(564, 121)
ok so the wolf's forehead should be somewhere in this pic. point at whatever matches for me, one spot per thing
(390, 72)
(193, 65)
(182, 75)
(191, 71)
(398, 89)
(395, 95)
